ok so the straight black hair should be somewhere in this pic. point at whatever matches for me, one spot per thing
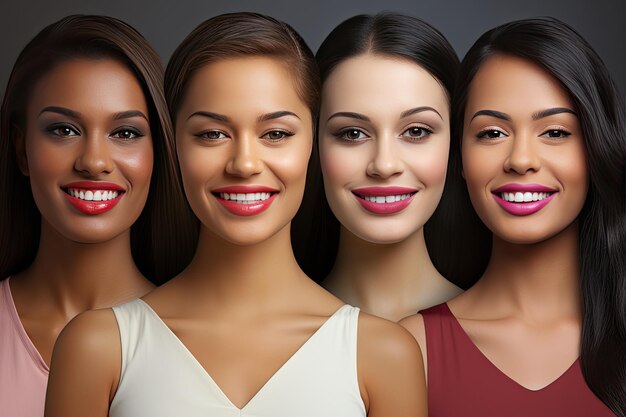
(395, 36)
(564, 54)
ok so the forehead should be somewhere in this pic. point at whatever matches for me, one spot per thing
(243, 82)
(515, 85)
(374, 82)
(88, 85)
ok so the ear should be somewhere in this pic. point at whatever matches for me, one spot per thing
(19, 142)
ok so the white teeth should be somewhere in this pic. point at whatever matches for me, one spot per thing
(92, 195)
(525, 197)
(248, 198)
(386, 199)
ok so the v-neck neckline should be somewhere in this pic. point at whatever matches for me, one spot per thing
(267, 383)
(477, 350)
(21, 330)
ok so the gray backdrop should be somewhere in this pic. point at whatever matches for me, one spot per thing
(166, 23)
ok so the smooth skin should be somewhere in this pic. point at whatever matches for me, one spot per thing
(74, 133)
(243, 306)
(384, 122)
(524, 314)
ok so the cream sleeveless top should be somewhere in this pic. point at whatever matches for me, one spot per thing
(161, 378)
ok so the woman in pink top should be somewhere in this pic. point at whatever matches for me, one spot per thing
(541, 144)
(86, 144)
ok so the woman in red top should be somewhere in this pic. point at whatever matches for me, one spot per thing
(542, 149)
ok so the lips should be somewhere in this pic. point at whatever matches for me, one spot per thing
(523, 199)
(243, 200)
(384, 200)
(93, 197)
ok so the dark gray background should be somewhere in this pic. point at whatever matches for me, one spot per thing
(166, 23)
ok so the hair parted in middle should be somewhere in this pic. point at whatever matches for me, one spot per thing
(395, 36)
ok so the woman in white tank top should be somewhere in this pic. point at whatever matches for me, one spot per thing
(242, 331)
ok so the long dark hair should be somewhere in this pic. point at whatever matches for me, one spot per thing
(563, 53)
(243, 34)
(159, 245)
(389, 35)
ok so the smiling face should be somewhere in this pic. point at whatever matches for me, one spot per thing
(523, 151)
(384, 140)
(244, 138)
(87, 149)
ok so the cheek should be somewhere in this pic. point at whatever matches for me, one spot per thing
(290, 163)
(137, 162)
(429, 163)
(341, 164)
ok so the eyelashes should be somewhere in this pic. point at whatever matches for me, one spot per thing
(354, 135)
(66, 130)
(492, 133)
(271, 136)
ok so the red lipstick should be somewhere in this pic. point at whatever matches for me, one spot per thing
(93, 197)
(245, 200)
(384, 200)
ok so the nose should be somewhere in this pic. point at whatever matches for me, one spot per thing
(245, 161)
(95, 157)
(522, 157)
(385, 162)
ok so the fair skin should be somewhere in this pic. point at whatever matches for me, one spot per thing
(524, 314)
(245, 117)
(384, 127)
(86, 125)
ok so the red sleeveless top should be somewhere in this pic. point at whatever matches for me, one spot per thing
(463, 382)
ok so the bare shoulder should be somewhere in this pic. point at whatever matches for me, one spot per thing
(391, 374)
(384, 338)
(415, 325)
(85, 367)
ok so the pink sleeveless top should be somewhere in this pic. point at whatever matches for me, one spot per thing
(463, 382)
(23, 373)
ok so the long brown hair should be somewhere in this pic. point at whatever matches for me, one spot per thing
(159, 245)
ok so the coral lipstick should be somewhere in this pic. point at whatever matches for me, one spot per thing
(93, 197)
(523, 199)
(245, 200)
(384, 200)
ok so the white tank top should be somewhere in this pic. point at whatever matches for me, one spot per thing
(161, 378)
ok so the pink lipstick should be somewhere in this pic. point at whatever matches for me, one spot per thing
(384, 200)
(523, 199)
(245, 200)
(93, 197)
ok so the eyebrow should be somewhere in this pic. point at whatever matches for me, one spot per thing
(61, 110)
(276, 115)
(492, 113)
(210, 115)
(350, 115)
(129, 115)
(550, 112)
(412, 111)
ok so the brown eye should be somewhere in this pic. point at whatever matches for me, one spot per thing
(276, 135)
(126, 134)
(417, 132)
(63, 131)
(351, 135)
(491, 134)
(211, 135)
(556, 134)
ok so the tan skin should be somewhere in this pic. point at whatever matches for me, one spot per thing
(382, 263)
(83, 261)
(244, 275)
(524, 314)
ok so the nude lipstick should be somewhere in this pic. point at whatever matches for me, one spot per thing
(93, 197)
(245, 200)
(523, 199)
(384, 200)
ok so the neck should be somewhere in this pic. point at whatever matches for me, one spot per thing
(258, 273)
(385, 279)
(540, 279)
(75, 277)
